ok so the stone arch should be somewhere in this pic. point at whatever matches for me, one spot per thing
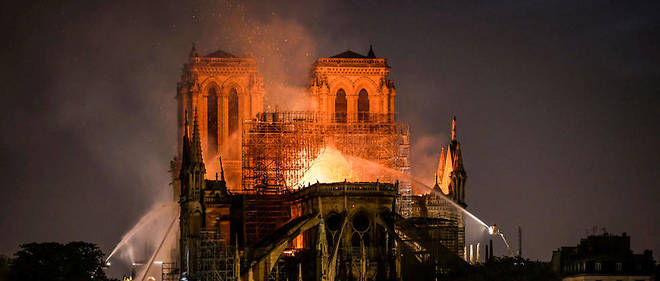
(333, 86)
(334, 221)
(233, 111)
(341, 83)
(233, 83)
(374, 94)
(368, 84)
(363, 105)
(341, 106)
(236, 96)
(356, 239)
(207, 84)
(199, 102)
(361, 221)
(212, 120)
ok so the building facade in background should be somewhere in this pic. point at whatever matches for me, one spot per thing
(603, 257)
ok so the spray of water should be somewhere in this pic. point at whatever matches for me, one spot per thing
(160, 246)
(364, 164)
(147, 219)
(370, 165)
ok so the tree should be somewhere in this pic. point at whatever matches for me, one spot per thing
(4, 268)
(75, 261)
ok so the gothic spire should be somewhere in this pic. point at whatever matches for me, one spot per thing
(322, 246)
(441, 165)
(193, 51)
(222, 170)
(196, 142)
(185, 126)
(453, 129)
(458, 160)
(237, 260)
(185, 150)
(371, 54)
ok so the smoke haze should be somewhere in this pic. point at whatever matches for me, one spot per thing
(556, 104)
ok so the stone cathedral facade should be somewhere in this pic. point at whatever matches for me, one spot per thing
(224, 90)
(245, 216)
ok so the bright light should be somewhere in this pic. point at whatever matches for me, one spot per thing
(492, 230)
(107, 263)
(158, 262)
(289, 252)
(332, 165)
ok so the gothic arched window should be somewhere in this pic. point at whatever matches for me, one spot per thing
(212, 124)
(356, 240)
(232, 111)
(363, 106)
(340, 106)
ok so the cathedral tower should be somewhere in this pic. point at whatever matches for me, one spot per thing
(351, 87)
(225, 90)
(354, 92)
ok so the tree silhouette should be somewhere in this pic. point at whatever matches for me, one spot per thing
(75, 261)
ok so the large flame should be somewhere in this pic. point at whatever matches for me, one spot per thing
(333, 166)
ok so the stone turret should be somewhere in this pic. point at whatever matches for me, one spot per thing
(191, 177)
(451, 173)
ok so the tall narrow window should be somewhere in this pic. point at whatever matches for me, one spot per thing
(363, 106)
(233, 112)
(340, 106)
(212, 124)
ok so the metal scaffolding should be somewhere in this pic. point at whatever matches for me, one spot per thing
(279, 147)
(216, 260)
(277, 150)
(263, 214)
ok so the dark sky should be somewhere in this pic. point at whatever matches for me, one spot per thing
(557, 104)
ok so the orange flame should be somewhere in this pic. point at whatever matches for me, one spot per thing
(333, 166)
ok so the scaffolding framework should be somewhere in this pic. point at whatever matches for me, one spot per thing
(169, 272)
(277, 150)
(279, 147)
(216, 260)
(263, 214)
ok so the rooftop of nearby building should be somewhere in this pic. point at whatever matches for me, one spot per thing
(602, 254)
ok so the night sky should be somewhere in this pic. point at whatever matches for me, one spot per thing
(556, 101)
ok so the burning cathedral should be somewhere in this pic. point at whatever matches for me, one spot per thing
(318, 195)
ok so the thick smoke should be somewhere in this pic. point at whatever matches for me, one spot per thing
(284, 51)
